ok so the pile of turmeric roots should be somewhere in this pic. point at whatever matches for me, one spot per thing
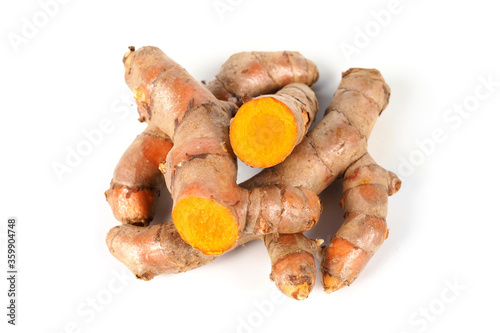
(259, 109)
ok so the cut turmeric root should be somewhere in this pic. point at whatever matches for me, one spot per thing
(266, 129)
(159, 249)
(206, 224)
(339, 143)
(210, 211)
(214, 215)
(150, 251)
(247, 75)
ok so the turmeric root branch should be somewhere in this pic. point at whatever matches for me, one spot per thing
(366, 188)
(251, 74)
(338, 141)
(292, 261)
(137, 182)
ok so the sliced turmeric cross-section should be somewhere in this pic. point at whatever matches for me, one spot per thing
(266, 129)
(263, 132)
(205, 224)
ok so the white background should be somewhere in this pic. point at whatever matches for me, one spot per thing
(66, 77)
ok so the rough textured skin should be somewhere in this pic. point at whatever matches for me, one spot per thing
(302, 102)
(335, 143)
(158, 249)
(201, 162)
(366, 189)
(325, 154)
(270, 144)
(137, 181)
(251, 74)
(292, 261)
(335, 137)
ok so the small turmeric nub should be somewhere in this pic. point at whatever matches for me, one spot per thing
(132, 205)
(263, 132)
(205, 224)
(295, 274)
(342, 264)
(293, 266)
(136, 183)
(332, 283)
(140, 96)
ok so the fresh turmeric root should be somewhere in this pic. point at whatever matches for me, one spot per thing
(137, 182)
(366, 188)
(337, 147)
(266, 129)
(210, 211)
(160, 249)
(292, 261)
(250, 74)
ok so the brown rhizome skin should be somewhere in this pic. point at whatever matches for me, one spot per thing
(153, 247)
